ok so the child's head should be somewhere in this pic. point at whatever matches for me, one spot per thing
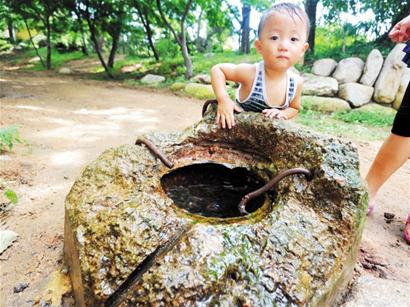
(282, 35)
(291, 9)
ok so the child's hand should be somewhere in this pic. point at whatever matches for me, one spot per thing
(274, 113)
(224, 114)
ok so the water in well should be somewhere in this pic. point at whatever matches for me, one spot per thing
(212, 190)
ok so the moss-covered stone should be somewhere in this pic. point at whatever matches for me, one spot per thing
(200, 91)
(120, 225)
(177, 86)
(324, 104)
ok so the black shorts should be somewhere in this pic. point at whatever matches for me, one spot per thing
(401, 124)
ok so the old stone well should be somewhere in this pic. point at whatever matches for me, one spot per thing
(130, 242)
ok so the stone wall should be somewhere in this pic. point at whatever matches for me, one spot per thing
(378, 80)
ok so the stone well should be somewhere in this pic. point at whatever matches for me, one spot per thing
(128, 243)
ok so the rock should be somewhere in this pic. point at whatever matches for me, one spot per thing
(324, 104)
(65, 71)
(152, 79)
(405, 80)
(202, 78)
(7, 237)
(177, 86)
(20, 287)
(348, 70)
(200, 91)
(378, 292)
(58, 286)
(36, 59)
(319, 86)
(372, 68)
(130, 68)
(324, 67)
(355, 93)
(388, 82)
(123, 232)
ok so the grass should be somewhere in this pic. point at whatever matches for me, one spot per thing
(331, 125)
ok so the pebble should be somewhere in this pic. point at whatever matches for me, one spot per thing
(20, 287)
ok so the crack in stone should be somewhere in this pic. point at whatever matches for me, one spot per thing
(117, 297)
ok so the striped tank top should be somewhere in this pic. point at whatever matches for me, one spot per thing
(256, 100)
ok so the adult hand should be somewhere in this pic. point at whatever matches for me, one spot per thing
(224, 114)
(401, 31)
(274, 113)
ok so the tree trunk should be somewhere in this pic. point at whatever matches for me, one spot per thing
(246, 12)
(310, 8)
(32, 42)
(180, 38)
(187, 59)
(11, 31)
(143, 14)
(97, 46)
(114, 47)
(48, 27)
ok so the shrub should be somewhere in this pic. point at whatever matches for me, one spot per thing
(8, 137)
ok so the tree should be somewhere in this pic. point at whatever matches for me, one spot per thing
(102, 17)
(247, 5)
(310, 8)
(145, 13)
(175, 11)
(41, 11)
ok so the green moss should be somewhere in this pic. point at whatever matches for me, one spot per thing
(200, 91)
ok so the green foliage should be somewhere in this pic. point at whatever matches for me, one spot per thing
(8, 137)
(11, 196)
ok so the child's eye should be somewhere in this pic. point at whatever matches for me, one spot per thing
(294, 39)
(274, 37)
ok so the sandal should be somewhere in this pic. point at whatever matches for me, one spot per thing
(406, 230)
(370, 207)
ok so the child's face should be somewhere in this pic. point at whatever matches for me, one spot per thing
(282, 41)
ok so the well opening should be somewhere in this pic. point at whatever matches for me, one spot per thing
(213, 190)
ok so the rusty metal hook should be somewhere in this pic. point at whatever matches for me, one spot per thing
(155, 151)
(299, 170)
(206, 104)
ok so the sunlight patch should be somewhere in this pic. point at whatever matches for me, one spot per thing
(33, 108)
(67, 157)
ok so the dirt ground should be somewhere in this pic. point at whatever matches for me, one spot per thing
(69, 122)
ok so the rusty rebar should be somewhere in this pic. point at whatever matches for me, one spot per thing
(155, 151)
(206, 104)
(299, 170)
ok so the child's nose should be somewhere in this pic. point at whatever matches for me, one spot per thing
(283, 45)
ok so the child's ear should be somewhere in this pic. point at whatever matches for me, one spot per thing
(305, 47)
(258, 45)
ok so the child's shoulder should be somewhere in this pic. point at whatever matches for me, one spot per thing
(247, 67)
(296, 76)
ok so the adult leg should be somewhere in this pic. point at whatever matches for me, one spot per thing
(394, 153)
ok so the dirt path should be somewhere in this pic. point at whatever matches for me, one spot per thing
(68, 123)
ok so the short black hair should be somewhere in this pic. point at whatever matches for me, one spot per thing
(291, 8)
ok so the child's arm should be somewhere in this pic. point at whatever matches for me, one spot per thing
(293, 108)
(220, 73)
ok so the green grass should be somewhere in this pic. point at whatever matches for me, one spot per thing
(374, 118)
(330, 125)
